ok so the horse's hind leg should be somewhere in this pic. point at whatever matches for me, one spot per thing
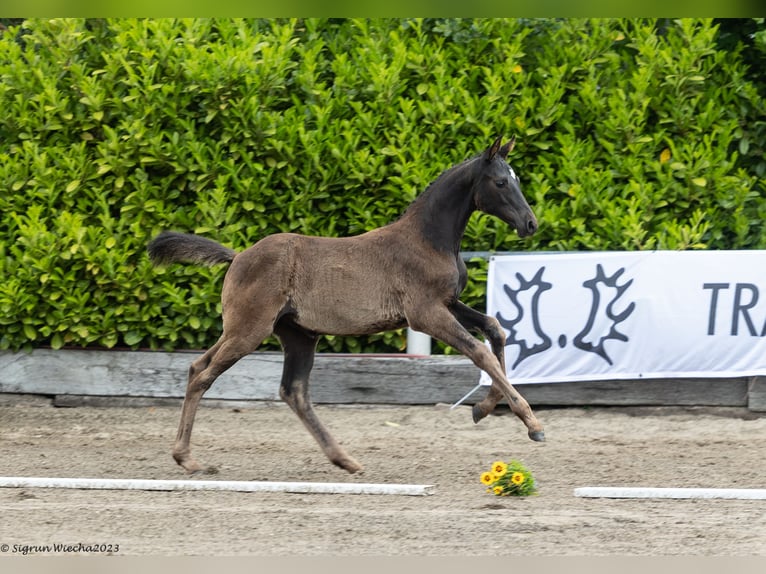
(299, 347)
(473, 320)
(202, 374)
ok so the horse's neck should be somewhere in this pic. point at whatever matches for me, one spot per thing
(441, 213)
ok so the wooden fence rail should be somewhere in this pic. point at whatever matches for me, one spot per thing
(87, 376)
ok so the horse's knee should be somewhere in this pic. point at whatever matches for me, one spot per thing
(494, 330)
(493, 325)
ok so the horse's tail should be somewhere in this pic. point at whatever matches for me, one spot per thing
(171, 247)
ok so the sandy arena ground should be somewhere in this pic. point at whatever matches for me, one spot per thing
(669, 447)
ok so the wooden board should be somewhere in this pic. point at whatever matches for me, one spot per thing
(337, 379)
(756, 394)
(732, 392)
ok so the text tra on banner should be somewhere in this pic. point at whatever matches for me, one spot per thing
(630, 315)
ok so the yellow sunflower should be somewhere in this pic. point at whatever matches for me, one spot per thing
(498, 490)
(517, 478)
(487, 478)
(499, 468)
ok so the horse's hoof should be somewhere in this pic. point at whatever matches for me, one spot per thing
(538, 436)
(194, 469)
(190, 465)
(478, 413)
(348, 464)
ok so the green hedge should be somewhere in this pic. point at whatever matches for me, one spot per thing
(631, 135)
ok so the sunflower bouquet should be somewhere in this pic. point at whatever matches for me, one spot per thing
(509, 479)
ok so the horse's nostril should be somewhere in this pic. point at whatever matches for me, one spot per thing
(532, 225)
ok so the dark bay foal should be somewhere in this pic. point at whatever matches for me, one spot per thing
(406, 273)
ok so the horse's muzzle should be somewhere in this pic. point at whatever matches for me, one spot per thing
(528, 227)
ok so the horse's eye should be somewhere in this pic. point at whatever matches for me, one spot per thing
(500, 182)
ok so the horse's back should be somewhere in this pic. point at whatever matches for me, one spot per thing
(331, 285)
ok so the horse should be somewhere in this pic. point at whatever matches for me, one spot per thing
(406, 273)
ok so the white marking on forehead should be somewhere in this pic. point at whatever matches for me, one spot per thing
(513, 173)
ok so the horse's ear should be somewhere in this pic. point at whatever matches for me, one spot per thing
(507, 148)
(492, 150)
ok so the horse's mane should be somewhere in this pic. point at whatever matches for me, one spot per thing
(428, 191)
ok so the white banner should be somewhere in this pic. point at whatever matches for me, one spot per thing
(630, 315)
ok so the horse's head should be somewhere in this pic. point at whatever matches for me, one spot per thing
(497, 190)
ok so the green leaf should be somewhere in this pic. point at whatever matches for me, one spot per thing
(132, 338)
(57, 341)
(109, 340)
(700, 181)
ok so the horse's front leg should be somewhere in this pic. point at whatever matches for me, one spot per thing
(439, 322)
(488, 326)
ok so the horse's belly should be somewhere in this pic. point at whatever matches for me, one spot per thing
(346, 319)
(348, 312)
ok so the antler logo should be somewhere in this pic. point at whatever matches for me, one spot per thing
(614, 318)
(527, 333)
(539, 286)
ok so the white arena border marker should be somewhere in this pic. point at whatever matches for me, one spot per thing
(641, 492)
(226, 485)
